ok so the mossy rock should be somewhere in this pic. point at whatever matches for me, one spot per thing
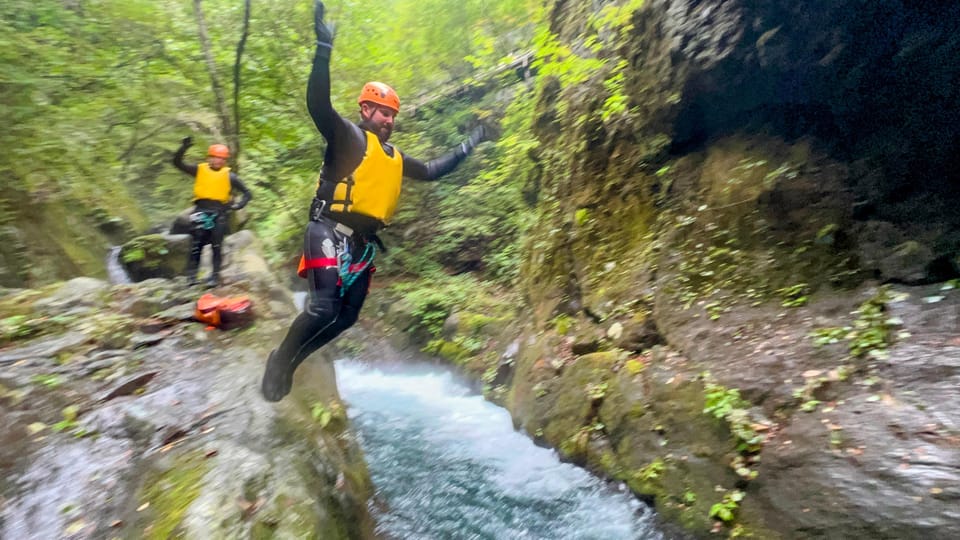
(170, 493)
(155, 256)
(449, 350)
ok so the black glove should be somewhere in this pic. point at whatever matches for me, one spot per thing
(324, 33)
(187, 142)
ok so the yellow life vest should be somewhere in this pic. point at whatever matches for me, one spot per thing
(374, 186)
(211, 184)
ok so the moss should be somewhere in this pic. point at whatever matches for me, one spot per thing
(331, 417)
(449, 350)
(110, 330)
(151, 249)
(172, 492)
(52, 240)
(610, 465)
(634, 366)
(134, 254)
(473, 323)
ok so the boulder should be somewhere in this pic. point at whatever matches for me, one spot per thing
(155, 256)
(886, 250)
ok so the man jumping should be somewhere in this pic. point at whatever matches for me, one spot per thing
(357, 194)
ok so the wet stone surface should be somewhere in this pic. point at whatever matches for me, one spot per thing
(129, 421)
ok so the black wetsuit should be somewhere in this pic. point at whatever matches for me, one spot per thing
(331, 310)
(217, 212)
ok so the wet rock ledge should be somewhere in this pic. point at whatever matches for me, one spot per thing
(122, 418)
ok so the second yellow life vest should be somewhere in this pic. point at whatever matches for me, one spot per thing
(211, 184)
(374, 186)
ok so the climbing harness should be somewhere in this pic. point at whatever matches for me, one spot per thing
(350, 271)
(204, 220)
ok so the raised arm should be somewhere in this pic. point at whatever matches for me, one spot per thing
(328, 122)
(318, 94)
(436, 168)
(346, 143)
(186, 143)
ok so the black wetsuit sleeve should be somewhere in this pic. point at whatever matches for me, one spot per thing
(178, 162)
(237, 185)
(433, 169)
(346, 142)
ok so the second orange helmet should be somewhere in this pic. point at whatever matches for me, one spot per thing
(218, 150)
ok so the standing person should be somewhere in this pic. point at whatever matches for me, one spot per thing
(356, 196)
(212, 198)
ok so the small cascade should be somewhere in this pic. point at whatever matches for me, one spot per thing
(115, 271)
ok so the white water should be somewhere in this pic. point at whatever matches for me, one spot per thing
(449, 465)
(115, 272)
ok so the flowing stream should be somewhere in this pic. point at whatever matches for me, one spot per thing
(115, 271)
(448, 464)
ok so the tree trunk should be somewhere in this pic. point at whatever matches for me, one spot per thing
(221, 104)
(236, 81)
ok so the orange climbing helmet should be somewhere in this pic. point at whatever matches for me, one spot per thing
(381, 94)
(218, 150)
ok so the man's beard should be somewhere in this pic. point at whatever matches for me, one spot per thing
(382, 132)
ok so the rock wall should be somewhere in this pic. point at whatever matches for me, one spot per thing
(723, 186)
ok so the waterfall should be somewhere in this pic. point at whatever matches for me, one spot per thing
(115, 271)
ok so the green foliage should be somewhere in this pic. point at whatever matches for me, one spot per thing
(49, 380)
(433, 304)
(809, 405)
(651, 471)
(634, 366)
(555, 59)
(727, 405)
(618, 16)
(330, 416)
(720, 401)
(458, 350)
(171, 493)
(871, 333)
(320, 414)
(742, 465)
(562, 323)
(489, 374)
(581, 216)
(794, 295)
(597, 391)
(577, 444)
(134, 255)
(16, 327)
(95, 104)
(69, 419)
(726, 509)
(872, 330)
(829, 336)
(814, 380)
(714, 310)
